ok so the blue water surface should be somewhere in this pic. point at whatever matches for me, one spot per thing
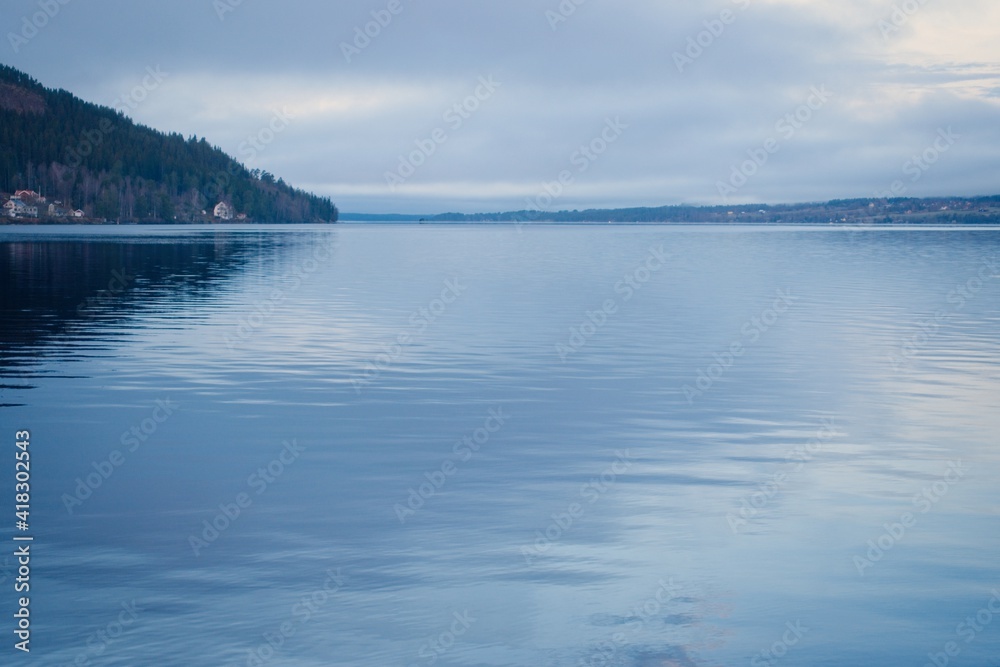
(502, 446)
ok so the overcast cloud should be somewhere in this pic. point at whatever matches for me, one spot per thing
(881, 81)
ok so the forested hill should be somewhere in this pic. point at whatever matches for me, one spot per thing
(96, 159)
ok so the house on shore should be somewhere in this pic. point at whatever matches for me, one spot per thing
(57, 211)
(29, 204)
(16, 208)
(29, 196)
(223, 211)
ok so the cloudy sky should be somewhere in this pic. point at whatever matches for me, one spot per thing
(628, 103)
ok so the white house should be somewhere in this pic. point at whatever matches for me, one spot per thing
(223, 211)
(78, 213)
(15, 208)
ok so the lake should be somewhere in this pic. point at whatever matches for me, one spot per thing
(501, 446)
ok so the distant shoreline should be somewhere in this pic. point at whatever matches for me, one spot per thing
(931, 210)
(875, 213)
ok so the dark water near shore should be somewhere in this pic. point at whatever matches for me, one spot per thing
(491, 446)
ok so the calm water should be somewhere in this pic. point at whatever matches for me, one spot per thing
(479, 446)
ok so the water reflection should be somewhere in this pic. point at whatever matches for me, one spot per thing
(449, 463)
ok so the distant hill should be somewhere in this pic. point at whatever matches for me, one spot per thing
(932, 210)
(96, 159)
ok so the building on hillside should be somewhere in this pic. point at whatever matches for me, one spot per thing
(78, 213)
(28, 196)
(16, 208)
(57, 211)
(223, 211)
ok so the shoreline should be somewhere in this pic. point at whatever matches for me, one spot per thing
(916, 226)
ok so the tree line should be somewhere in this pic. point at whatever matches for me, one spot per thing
(97, 159)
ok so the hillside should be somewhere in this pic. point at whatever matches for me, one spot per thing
(96, 159)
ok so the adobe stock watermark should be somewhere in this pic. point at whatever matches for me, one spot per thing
(434, 648)
(929, 328)
(131, 440)
(923, 503)
(92, 139)
(920, 164)
(900, 16)
(794, 632)
(300, 614)
(583, 158)
(562, 12)
(637, 618)
(102, 639)
(795, 460)
(35, 23)
(419, 322)
(365, 35)
(258, 482)
(264, 309)
(699, 43)
(155, 76)
(631, 282)
(255, 144)
(250, 149)
(223, 7)
(751, 332)
(787, 126)
(591, 491)
(463, 451)
(454, 117)
(967, 631)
